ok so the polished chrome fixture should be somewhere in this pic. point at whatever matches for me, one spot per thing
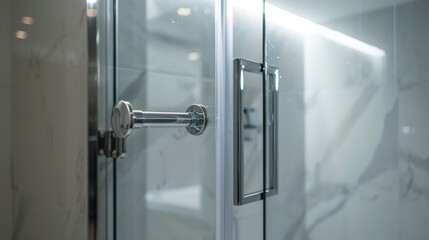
(124, 119)
(270, 141)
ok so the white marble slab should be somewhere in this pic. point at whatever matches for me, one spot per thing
(49, 121)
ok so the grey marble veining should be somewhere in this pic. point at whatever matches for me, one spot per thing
(363, 167)
(49, 155)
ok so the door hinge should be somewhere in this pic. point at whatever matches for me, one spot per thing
(109, 145)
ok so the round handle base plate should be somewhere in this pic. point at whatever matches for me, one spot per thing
(199, 124)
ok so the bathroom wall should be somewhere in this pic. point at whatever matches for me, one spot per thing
(48, 119)
(5, 122)
(366, 125)
(373, 174)
(351, 133)
(412, 37)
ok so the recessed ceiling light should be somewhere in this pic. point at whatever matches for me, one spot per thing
(184, 12)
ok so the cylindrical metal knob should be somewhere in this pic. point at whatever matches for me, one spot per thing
(124, 119)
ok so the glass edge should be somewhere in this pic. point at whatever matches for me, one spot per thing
(224, 120)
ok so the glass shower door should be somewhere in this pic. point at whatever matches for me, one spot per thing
(338, 100)
(165, 62)
(353, 129)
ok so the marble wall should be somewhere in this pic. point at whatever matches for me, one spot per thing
(48, 119)
(365, 128)
(351, 136)
(413, 91)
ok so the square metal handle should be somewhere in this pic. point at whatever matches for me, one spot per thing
(271, 121)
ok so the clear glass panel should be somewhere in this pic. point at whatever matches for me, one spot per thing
(252, 133)
(353, 117)
(165, 187)
(247, 42)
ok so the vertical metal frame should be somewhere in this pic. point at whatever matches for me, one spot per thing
(101, 90)
(100, 95)
(273, 88)
(92, 31)
(224, 121)
(241, 66)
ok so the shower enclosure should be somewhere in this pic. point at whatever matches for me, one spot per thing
(258, 119)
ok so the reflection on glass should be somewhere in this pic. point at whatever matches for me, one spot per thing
(184, 12)
(21, 34)
(27, 20)
(252, 132)
(193, 56)
(165, 62)
(304, 26)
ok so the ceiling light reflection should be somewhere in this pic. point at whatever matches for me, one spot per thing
(302, 25)
(184, 12)
(27, 20)
(21, 34)
(193, 56)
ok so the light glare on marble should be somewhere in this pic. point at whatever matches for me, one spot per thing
(27, 20)
(184, 12)
(193, 56)
(21, 34)
(302, 25)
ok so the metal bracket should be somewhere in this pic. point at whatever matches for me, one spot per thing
(109, 145)
(125, 119)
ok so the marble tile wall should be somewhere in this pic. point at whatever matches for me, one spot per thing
(387, 197)
(366, 130)
(413, 90)
(49, 119)
(5, 123)
(351, 139)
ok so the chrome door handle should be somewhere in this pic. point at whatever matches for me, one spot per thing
(125, 119)
(271, 122)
